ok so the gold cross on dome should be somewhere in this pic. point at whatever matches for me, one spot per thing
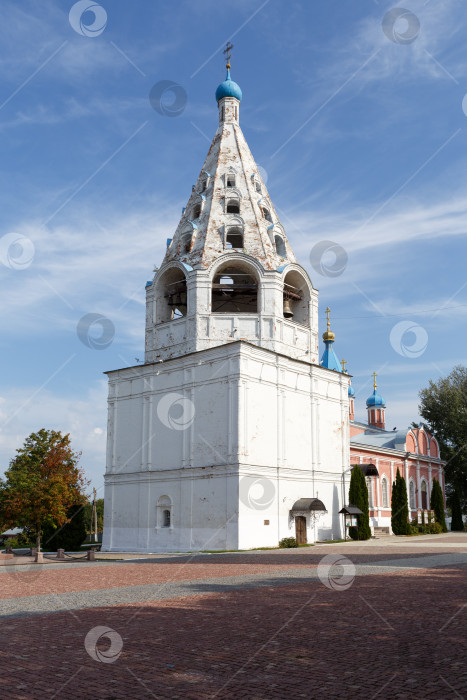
(228, 52)
(374, 380)
(343, 363)
(328, 311)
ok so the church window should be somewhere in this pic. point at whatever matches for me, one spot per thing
(370, 492)
(236, 112)
(204, 184)
(412, 503)
(233, 206)
(222, 114)
(234, 238)
(266, 214)
(424, 495)
(280, 246)
(258, 186)
(234, 290)
(196, 211)
(164, 512)
(296, 298)
(230, 181)
(384, 493)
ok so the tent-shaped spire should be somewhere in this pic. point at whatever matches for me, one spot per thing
(229, 207)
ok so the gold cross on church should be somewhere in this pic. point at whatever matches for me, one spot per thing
(374, 380)
(228, 52)
(328, 311)
(343, 363)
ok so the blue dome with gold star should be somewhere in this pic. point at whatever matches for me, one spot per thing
(228, 88)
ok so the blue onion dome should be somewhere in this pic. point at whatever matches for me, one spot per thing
(375, 400)
(351, 391)
(228, 88)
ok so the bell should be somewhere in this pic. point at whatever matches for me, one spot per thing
(288, 313)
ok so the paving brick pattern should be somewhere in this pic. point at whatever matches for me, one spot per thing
(391, 635)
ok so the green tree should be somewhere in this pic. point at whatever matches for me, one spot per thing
(444, 409)
(70, 536)
(42, 483)
(457, 522)
(399, 507)
(358, 496)
(437, 503)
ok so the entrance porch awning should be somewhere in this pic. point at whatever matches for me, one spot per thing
(308, 504)
(351, 510)
(368, 469)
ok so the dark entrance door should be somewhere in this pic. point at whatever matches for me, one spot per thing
(300, 529)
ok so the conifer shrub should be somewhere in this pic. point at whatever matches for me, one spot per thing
(437, 504)
(358, 496)
(399, 507)
(457, 522)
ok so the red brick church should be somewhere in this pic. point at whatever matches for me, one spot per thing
(413, 451)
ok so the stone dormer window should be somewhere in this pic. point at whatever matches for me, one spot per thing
(230, 180)
(232, 206)
(280, 246)
(258, 186)
(196, 211)
(266, 214)
(187, 239)
(234, 237)
(204, 185)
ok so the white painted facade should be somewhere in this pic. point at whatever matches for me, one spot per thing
(231, 420)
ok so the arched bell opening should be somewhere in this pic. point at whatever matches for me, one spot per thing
(234, 289)
(296, 298)
(171, 296)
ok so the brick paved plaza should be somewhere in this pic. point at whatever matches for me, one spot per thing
(388, 623)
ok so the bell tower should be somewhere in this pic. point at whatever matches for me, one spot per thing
(229, 272)
(231, 435)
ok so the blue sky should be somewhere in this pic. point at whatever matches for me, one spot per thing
(360, 132)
